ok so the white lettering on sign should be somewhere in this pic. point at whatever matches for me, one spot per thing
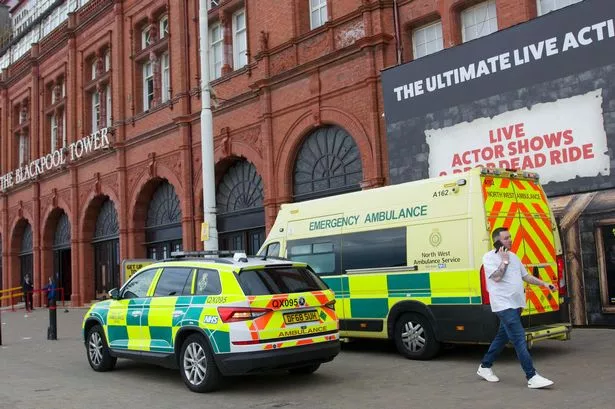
(552, 138)
(86, 145)
(585, 36)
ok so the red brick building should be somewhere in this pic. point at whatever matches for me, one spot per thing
(298, 114)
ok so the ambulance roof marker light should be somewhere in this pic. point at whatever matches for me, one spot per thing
(240, 257)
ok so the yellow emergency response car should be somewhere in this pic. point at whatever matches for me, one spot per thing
(405, 260)
(213, 316)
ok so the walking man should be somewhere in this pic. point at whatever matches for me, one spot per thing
(504, 274)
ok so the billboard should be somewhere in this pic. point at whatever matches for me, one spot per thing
(537, 96)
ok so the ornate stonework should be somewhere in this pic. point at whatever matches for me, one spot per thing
(173, 163)
(251, 137)
(349, 33)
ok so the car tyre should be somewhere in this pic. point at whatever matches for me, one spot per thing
(197, 366)
(304, 370)
(415, 338)
(98, 353)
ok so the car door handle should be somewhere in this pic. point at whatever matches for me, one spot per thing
(136, 313)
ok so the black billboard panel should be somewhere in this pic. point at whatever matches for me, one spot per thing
(539, 95)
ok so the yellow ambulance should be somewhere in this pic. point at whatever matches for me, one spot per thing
(405, 260)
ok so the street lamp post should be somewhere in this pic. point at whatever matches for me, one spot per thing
(209, 231)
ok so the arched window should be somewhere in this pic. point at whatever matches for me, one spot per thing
(328, 163)
(107, 226)
(26, 240)
(241, 217)
(61, 237)
(241, 188)
(163, 229)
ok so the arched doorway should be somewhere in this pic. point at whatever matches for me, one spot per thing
(25, 254)
(62, 255)
(241, 217)
(163, 228)
(328, 163)
(106, 245)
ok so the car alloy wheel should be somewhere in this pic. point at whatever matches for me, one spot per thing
(195, 363)
(95, 348)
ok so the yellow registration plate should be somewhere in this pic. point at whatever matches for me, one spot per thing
(299, 317)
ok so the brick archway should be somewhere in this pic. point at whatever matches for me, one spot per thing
(139, 212)
(304, 126)
(17, 235)
(86, 279)
(50, 228)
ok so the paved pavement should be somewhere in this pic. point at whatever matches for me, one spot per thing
(37, 373)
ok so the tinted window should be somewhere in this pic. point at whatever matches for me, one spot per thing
(373, 249)
(273, 250)
(207, 282)
(320, 255)
(138, 286)
(279, 281)
(172, 281)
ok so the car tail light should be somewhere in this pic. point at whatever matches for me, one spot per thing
(561, 278)
(331, 305)
(483, 287)
(234, 314)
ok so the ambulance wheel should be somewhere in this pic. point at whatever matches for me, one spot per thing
(415, 338)
(197, 365)
(304, 370)
(99, 357)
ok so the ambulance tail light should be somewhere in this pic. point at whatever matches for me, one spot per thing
(235, 314)
(483, 287)
(330, 305)
(561, 278)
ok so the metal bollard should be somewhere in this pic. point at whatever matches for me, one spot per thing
(52, 330)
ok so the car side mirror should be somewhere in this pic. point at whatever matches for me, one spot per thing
(115, 294)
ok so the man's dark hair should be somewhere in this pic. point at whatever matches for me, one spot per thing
(496, 233)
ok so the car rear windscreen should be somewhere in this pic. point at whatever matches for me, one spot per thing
(279, 281)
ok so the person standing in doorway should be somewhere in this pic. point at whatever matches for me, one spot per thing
(505, 274)
(28, 288)
(51, 290)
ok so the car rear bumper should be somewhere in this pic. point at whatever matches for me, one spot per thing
(285, 358)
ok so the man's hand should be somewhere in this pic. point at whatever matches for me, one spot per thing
(501, 270)
(504, 254)
(536, 281)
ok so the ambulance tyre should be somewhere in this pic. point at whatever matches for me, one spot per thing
(414, 337)
(197, 366)
(304, 370)
(98, 353)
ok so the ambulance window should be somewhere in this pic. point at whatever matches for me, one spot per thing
(139, 285)
(320, 256)
(172, 281)
(373, 249)
(279, 280)
(273, 250)
(207, 282)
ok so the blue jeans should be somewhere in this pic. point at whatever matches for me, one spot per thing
(510, 329)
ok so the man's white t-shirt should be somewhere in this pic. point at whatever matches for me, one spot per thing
(508, 292)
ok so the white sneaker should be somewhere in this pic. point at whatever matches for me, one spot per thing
(537, 382)
(487, 374)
